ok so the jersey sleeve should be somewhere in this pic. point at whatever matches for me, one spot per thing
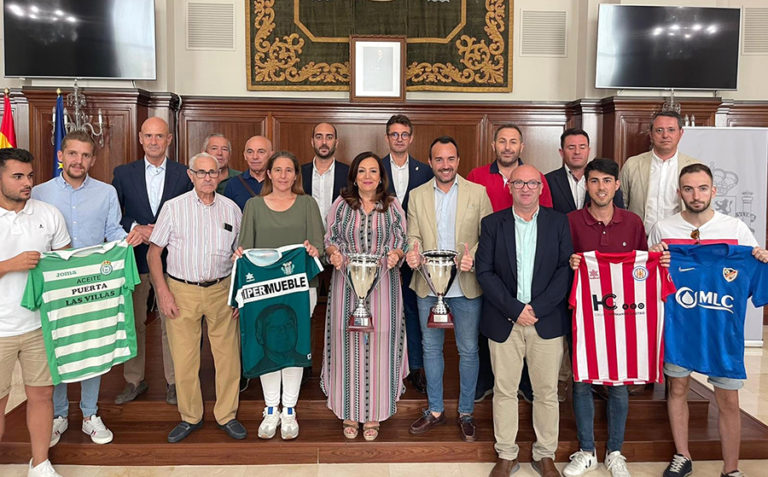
(32, 298)
(314, 266)
(572, 297)
(234, 285)
(131, 272)
(665, 278)
(759, 284)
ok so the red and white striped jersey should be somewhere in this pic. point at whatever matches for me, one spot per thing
(618, 318)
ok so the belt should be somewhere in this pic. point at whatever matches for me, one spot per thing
(199, 284)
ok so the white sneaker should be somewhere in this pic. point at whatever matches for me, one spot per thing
(289, 427)
(617, 464)
(44, 469)
(581, 463)
(60, 424)
(97, 430)
(270, 422)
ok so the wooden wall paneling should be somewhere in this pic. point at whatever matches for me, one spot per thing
(119, 110)
(748, 114)
(166, 106)
(238, 120)
(585, 114)
(542, 126)
(626, 122)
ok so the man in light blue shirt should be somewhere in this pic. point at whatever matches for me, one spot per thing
(445, 214)
(92, 214)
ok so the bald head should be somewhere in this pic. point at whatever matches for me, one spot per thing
(257, 151)
(155, 138)
(525, 186)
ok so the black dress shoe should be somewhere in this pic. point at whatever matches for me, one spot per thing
(419, 380)
(182, 430)
(234, 429)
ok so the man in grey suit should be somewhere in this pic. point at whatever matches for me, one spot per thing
(649, 180)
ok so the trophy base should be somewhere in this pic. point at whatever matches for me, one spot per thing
(440, 320)
(360, 324)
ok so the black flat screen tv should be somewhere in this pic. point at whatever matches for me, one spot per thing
(80, 39)
(648, 47)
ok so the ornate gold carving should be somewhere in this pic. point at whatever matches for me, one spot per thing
(278, 60)
(483, 62)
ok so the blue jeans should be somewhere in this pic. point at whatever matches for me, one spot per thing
(584, 410)
(89, 396)
(412, 324)
(466, 318)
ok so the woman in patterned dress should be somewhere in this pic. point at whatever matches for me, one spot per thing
(363, 373)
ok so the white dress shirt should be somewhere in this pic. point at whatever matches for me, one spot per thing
(155, 177)
(578, 188)
(322, 187)
(399, 178)
(662, 199)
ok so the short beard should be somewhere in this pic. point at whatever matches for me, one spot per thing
(331, 152)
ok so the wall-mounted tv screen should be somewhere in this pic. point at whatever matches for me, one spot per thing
(647, 47)
(80, 38)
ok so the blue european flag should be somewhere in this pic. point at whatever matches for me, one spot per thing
(58, 135)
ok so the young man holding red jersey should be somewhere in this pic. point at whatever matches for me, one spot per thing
(605, 228)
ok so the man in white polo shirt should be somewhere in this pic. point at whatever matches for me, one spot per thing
(27, 228)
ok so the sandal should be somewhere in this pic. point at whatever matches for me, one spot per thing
(370, 431)
(350, 429)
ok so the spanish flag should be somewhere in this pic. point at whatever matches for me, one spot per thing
(7, 132)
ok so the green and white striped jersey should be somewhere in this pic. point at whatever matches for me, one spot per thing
(84, 296)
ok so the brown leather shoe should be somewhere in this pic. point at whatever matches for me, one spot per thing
(545, 467)
(467, 428)
(504, 468)
(426, 422)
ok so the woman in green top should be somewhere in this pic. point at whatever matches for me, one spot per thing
(282, 215)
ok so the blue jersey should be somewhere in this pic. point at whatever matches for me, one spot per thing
(705, 322)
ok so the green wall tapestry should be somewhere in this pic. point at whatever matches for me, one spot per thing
(453, 45)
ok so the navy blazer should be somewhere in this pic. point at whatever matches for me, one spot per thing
(130, 182)
(341, 171)
(496, 267)
(418, 173)
(562, 198)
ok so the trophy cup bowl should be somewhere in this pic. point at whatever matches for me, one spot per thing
(362, 274)
(439, 270)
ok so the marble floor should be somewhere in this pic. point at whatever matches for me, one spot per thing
(754, 400)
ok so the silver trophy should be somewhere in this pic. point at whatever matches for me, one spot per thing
(362, 273)
(438, 267)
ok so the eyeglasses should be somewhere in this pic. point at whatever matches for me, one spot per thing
(395, 135)
(200, 174)
(695, 235)
(532, 184)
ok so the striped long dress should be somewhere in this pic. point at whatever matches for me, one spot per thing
(363, 373)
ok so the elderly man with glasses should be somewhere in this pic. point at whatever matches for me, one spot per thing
(522, 267)
(200, 230)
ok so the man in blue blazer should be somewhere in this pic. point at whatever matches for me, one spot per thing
(143, 187)
(408, 174)
(324, 177)
(568, 184)
(522, 267)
